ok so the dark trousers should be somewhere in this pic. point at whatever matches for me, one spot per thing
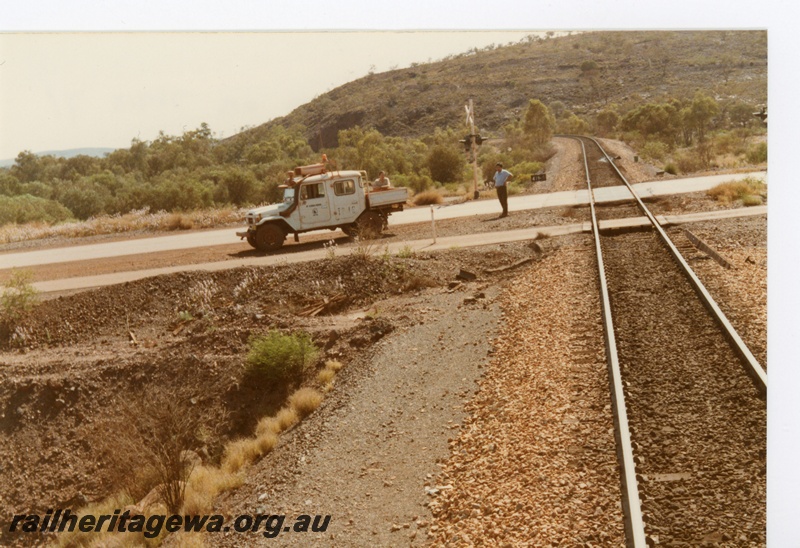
(502, 195)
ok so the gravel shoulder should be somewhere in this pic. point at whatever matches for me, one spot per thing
(367, 456)
(535, 463)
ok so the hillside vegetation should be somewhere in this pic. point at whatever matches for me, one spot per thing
(584, 73)
(685, 100)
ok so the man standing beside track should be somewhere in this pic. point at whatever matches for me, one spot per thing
(501, 177)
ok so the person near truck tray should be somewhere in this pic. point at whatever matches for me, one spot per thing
(501, 177)
(382, 181)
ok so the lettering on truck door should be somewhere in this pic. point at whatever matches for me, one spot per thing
(314, 206)
(346, 201)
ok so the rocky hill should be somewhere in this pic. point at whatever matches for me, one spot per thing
(585, 72)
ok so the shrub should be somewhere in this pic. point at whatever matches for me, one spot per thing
(305, 401)
(671, 169)
(523, 170)
(157, 431)
(588, 66)
(514, 188)
(406, 252)
(19, 296)
(27, 208)
(239, 453)
(325, 376)
(655, 150)
(427, 197)
(750, 200)
(281, 357)
(757, 154)
(287, 417)
(205, 483)
(750, 190)
(445, 163)
(179, 221)
(416, 182)
(729, 142)
(688, 161)
(268, 424)
(334, 364)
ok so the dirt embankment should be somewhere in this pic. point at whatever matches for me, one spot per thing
(81, 359)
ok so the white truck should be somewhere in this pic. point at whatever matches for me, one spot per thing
(315, 198)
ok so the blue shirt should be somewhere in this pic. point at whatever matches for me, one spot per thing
(500, 177)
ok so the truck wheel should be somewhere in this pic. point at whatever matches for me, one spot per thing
(251, 239)
(269, 237)
(349, 230)
(370, 224)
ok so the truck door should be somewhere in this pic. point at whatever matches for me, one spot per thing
(347, 204)
(314, 207)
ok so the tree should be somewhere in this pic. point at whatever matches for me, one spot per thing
(701, 112)
(445, 164)
(573, 124)
(606, 121)
(557, 108)
(27, 167)
(538, 122)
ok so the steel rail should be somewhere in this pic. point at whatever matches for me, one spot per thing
(758, 373)
(631, 502)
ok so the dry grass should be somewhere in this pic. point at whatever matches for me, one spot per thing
(243, 452)
(416, 282)
(104, 538)
(240, 453)
(750, 190)
(205, 483)
(268, 424)
(305, 401)
(191, 540)
(139, 220)
(334, 365)
(428, 197)
(179, 221)
(325, 376)
(267, 441)
(287, 417)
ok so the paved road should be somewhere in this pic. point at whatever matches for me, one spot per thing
(414, 215)
(469, 240)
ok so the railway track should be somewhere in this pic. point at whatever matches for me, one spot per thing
(688, 395)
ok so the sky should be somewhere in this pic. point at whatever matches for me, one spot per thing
(68, 91)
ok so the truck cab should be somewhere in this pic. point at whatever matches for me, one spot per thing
(314, 199)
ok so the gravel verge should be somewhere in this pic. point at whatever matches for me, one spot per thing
(741, 290)
(368, 454)
(535, 464)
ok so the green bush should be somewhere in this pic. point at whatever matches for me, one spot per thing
(671, 169)
(19, 296)
(654, 150)
(281, 357)
(688, 161)
(523, 171)
(27, 208)
(757, 154)
(446, 164)
(750, 190)
(416, 182)
(729, 142)
(751, 200)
